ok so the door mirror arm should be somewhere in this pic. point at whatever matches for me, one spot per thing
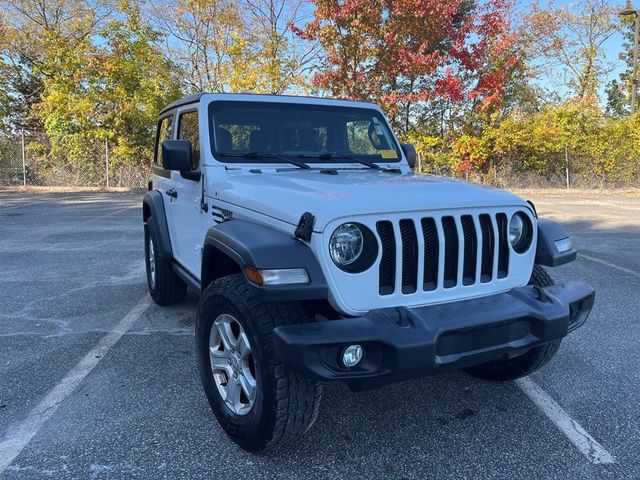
(193, 176)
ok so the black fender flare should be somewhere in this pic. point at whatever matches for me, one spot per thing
(547, 252)
(153, 205)
(262, 247)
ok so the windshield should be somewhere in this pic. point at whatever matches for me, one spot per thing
(279, 132)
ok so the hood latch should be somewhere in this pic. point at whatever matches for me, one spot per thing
(305, 226)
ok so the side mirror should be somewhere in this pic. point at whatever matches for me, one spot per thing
(176, 155)
(409, 152)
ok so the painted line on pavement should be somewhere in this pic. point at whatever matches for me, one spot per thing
(17, 204)
(577, 435)
(608, 264)
(19, 435)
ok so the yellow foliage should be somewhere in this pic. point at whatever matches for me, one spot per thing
(601, 150)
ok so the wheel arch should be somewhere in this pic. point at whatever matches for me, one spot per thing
(547, 253)
(231, 246)
(153, 206)
(217, 262)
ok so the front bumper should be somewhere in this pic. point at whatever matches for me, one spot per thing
(402, 342)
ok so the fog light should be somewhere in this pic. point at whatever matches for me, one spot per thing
(352, 355)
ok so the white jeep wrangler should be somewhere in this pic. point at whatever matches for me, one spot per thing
(319, 256)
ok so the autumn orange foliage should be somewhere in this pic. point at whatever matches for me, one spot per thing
(406, 51)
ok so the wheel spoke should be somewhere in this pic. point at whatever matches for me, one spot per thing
(152, 263)
(249, 386)
(223, 333)
(233, 393)
(243, 345)
(220, 361)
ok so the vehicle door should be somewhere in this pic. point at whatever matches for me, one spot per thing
(188, 220)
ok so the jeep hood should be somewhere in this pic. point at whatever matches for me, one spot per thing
(286, 195)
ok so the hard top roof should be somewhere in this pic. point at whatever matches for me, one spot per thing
(194, 98)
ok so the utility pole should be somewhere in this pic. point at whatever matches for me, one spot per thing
(24, 162)
(634, 78)
(566, 165)
(106, 159)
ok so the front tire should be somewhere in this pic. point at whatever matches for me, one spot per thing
(524, 364)
(259, 402)
(165, 287)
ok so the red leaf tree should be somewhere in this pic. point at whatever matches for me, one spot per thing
(405, 53)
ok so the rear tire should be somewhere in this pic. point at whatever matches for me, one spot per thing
(527, 363)
(285, 403)
(165, 287)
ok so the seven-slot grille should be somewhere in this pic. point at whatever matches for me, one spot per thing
(452, 251)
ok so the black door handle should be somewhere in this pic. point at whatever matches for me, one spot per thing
(172, 193)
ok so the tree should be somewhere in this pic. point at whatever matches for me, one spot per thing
(569, 41)
(282, 58)
(36, 36)
(85, 73)
(112, 91)
(407, 53)
(627, 22)
(228, 46)
(203, 36)
(135, 81)
(617, 103)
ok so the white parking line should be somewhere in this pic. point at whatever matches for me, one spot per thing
(20, 435)
(577, 435)
(608, 264)
(4, 208)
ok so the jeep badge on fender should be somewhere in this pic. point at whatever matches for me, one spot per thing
(319, 256)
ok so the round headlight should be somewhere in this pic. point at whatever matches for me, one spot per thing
(345, 244)
(516, 229)
(520, 232)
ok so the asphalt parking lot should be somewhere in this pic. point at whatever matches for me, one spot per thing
(97, 382)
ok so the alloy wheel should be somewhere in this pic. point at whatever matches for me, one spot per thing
(232, 364)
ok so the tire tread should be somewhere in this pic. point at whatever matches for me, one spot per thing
(297, 398)
(169, 288)
(528, 362)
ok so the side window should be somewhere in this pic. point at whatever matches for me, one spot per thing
(358, 138)
(188, 130)
(369, 138)
(165, 131)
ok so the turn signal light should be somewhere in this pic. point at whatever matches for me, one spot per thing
(282, 276)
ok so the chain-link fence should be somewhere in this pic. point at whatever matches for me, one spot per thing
(29, 158)
(564, 172)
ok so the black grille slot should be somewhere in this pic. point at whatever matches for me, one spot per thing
(503, 247)
(387, 278)
(450, 252)
(409, 256)
(470, 250)
(470, 247)
(430, 234)
(486, 269)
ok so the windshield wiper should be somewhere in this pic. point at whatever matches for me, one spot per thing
(348, 156)
(263, 156)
